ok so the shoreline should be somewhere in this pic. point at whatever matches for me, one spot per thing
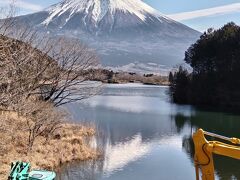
(69, 144)
(147, 84)
(111, 77)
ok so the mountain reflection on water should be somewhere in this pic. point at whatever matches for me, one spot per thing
(145, 136)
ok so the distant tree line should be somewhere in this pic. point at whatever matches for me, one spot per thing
(112, 77)
(215, 77)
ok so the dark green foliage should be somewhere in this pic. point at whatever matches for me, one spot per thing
(180, 86)
(170, 77)
(148, 75)
(215, 61)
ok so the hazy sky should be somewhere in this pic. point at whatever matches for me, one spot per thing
(198, 14)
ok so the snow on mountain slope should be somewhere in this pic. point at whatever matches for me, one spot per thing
(99, 9)
(101, 17)
(125, 33)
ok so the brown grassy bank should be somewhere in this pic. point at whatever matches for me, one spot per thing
(69, 143)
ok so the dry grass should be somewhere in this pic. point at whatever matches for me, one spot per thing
(68, 144)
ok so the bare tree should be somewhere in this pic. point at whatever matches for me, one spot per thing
(38, 73)
(57, 72)
(42, 119)
(67, 83)
(7, 15)
(32, 82)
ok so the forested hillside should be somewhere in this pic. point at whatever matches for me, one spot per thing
(215, 61)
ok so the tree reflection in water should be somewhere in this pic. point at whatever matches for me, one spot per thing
(220, 123)
(87, 170)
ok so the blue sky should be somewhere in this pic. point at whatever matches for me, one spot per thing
(198, 14)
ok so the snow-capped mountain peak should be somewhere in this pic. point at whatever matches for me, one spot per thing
(98, 9)
(121, 31)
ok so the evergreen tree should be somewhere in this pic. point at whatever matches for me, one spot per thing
(215, 62)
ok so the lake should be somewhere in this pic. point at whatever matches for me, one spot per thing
(146, 137)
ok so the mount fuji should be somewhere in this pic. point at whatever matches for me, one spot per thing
(123, 32)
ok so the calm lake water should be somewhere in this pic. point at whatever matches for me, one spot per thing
(146, 137)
